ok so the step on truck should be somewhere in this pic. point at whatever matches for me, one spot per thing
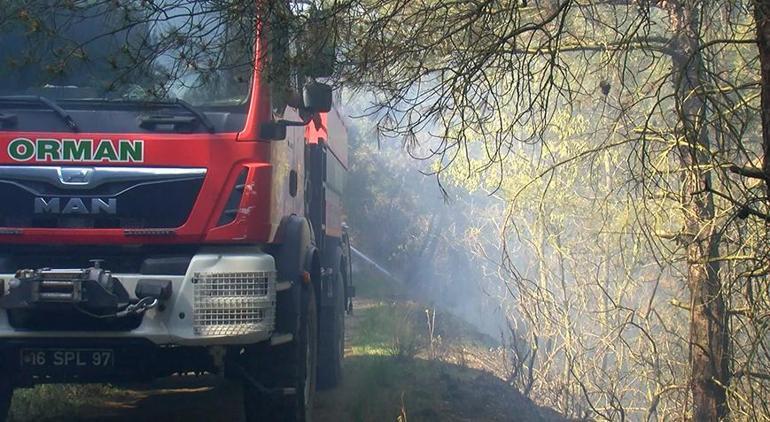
(171, 178)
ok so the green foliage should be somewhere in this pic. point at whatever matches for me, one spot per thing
(391, 330)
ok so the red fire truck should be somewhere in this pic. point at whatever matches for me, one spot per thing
(170, 200)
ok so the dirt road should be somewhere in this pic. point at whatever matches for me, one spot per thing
(379, 386)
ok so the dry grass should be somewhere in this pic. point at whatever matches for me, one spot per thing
(57, 402)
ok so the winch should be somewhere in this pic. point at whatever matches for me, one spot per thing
(93, 290)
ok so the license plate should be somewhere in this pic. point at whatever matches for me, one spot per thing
(67, 358)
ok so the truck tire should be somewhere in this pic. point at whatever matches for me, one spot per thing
(291, 365)
(332, 341)
(6, 394)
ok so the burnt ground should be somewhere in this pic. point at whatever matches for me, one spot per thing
(390, 374)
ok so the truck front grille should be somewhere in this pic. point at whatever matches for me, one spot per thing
(227, 304)
(127, 198)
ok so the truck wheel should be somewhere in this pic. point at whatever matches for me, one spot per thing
(291, 365)
(332, 341)
(6, 394)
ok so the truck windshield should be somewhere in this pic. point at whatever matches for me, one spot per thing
(201, 52)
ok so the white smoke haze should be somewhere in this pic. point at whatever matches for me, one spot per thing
(402, 220)
(569, 259)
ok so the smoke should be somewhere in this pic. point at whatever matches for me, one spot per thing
(373, 263)
(560, 274)
(419, 234)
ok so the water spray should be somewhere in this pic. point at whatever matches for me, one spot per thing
(374, 264)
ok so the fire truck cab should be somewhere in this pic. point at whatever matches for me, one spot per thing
(171, 185)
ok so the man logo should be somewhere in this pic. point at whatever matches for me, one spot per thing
(75, 206)
(75, 176)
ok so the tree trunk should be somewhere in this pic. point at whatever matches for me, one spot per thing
(708, 334)
(762, 18)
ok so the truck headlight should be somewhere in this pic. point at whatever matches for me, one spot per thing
(231, 304)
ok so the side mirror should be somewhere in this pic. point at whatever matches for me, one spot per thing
(317, 97)
(275, 130)
(272, 131)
